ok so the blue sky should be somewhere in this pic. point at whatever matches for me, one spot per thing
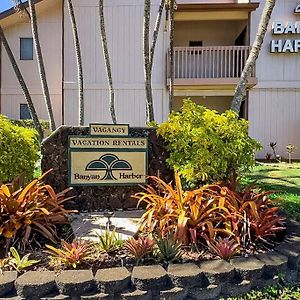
(5, 4)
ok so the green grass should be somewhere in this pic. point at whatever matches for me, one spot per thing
(273, 293)
(283, 178)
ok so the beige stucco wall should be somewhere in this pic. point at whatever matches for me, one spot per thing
(50, 31)
(212, 33)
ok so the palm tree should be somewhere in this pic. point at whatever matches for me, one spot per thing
(171, 29)
(40, 61)
(149, 53)
(23, 85)
(107, 63)
(147, 71)
(240, 91)
(79, 61)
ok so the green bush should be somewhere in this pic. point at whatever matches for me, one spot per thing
(19, 150)
(29, 124)
(205, 145)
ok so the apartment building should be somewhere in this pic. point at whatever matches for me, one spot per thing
(212, 43)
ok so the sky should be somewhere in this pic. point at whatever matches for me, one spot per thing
(5, 4)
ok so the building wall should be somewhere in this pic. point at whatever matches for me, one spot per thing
(124, 26)
(274, 104)
(212, 33)
(221, 104)
(50, 30)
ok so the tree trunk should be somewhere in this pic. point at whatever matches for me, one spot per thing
(171, 85)
(147, 64)
(107, 63)
(23, 85)
(240, 91)
(156, 32)
(79, 62)
(40, 61)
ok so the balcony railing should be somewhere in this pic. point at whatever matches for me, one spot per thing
(214, 62)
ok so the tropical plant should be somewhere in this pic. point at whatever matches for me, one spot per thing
(33, 113)
(253, 215)
(139, 247)
(19, 150)
(40, 62)
(290, 149)
(107, 62)
(225, 248)
(79, 62)
(169, 249)
(207, 146)
(20, 263)
(241, 87)
(186, 214)
(34, 207)
(70, 254)
(109, 241)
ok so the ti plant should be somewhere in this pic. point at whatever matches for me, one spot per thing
(169, 250)
(70, 254)
(139, 247)
(20, 263)
(225, 248)
(109, 241)
(35, 207)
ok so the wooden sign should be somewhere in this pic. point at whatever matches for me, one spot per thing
(101, 161)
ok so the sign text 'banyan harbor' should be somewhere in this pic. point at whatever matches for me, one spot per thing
(286, 28)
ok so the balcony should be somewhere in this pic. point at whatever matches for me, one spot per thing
(214, 67)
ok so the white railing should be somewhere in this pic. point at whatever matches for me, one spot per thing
(210, 62)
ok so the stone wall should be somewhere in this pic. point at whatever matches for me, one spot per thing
(55, 156)
(206, 280)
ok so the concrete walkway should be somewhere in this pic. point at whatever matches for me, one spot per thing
(87, 225)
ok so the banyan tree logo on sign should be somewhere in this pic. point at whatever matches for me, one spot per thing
(108, 163)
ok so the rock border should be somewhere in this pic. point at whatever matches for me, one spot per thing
(210, 280)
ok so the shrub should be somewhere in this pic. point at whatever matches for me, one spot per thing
(205, 145)
(109, 241)
(19, 149)
(186, 214)
(169, 249)
(35, 207)
(226, 219)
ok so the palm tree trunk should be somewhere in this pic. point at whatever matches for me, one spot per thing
(107, 63)
(171, 85)
(40, 61)
(79, 62)
(240, 91)
(147, 63)
(156, 32)
(35, 119)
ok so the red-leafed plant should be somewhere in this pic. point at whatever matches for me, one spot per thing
(35, 207)
(139, 247)
(70, 254)
(225, 248)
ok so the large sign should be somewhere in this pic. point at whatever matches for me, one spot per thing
(286, 28)
(101, 159)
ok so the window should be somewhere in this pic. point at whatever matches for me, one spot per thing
(24, 112)
(26, 48)
(195, 44)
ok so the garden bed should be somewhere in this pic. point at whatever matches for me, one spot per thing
(209, 280)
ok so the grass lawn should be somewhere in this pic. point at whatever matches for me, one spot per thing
(284, 178)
